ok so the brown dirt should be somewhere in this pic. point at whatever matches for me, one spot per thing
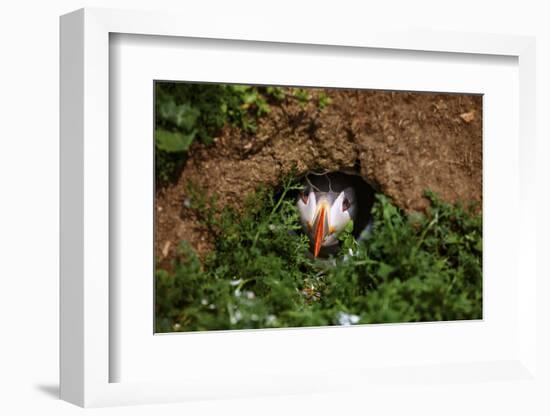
(402, 143)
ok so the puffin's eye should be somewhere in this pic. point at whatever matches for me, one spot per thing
(345, 204)
(304, 198)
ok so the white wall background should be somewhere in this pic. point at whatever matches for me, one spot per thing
(29, 116)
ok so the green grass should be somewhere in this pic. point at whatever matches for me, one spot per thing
(410, 268)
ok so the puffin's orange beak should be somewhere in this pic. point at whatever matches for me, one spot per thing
(319, 231)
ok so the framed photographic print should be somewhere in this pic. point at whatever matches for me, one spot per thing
(277, 213)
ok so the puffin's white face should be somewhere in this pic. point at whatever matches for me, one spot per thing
(324, 215)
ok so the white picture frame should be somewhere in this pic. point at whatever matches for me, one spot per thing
(85, 353)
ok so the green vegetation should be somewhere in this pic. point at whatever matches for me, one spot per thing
(186, 112)
(410, 268)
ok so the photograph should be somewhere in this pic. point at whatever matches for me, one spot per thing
(307, 206)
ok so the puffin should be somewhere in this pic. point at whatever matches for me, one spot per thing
(327, 203)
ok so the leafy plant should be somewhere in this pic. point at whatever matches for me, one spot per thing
(186, 112)
(324, 100)
(410, 267)
(302, 95)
